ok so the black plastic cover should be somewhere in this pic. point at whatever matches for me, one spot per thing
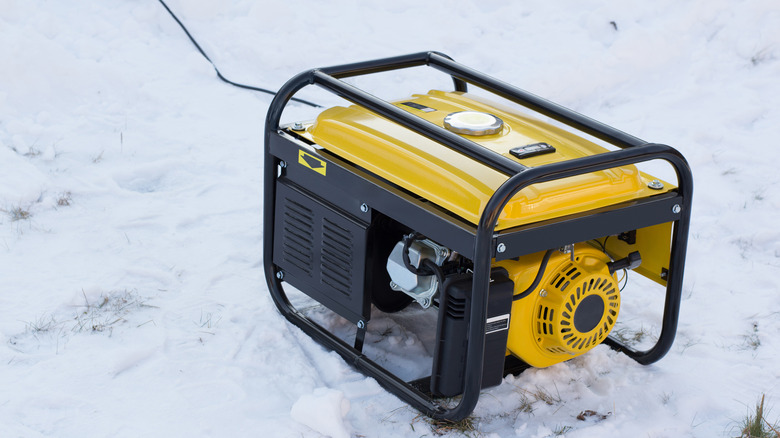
(532, 150)
(449, 359)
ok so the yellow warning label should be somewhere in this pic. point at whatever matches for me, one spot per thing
(312, 162)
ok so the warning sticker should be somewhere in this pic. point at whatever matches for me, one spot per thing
(312, 162)
(497, 323)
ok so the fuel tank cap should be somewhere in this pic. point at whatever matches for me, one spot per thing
(473, 123)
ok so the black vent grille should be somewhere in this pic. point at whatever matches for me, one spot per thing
(456, 307)
(322, 251)
(298, 236)
(336, 257)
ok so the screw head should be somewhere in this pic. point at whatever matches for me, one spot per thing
(501, 247)
(361, 324)
(542, 293)
(280, 275)
(282, 164)
(676, 208)
(364, 207)
(656, 185)
(297, 126)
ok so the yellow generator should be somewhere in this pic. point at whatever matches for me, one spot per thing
(508, 229)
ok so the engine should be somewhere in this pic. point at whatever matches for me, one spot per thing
(565, 301)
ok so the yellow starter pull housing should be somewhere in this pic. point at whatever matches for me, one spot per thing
(572, 311)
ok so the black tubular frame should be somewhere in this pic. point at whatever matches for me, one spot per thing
(672, 206)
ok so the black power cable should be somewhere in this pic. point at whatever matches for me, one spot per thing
(224, 79)
(424, 268)
(537, 279)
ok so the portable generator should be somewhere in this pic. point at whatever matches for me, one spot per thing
(509, 229)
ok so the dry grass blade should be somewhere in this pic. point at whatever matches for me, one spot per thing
(444, 427)
(757, 426)
(772, 427)
(109, 310)
(19, 214)
(592, 414)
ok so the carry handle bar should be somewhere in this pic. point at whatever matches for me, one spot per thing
(389, 64)
(327, 78)
(550, 109)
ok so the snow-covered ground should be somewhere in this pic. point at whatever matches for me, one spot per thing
(132, 298)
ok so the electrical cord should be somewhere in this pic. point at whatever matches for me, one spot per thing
(424, 268)
(219, 74)
(427, 266)
(624, 279)
(436, 270)
(604, 245)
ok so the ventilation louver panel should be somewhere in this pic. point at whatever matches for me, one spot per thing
(317, 247)
(336, 257)
(298, 235)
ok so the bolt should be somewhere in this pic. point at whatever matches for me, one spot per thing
(280, 275)
(282, 164)
(297, 126)
(442, 252)
(656, 185)
(361, 324)
(676, 208)
(364, 207)
(542, 293)
(501, 247)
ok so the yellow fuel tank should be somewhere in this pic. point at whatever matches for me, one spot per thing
(463, 186)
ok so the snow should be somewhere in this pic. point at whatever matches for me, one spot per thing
(323, 411)
(132, 298)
